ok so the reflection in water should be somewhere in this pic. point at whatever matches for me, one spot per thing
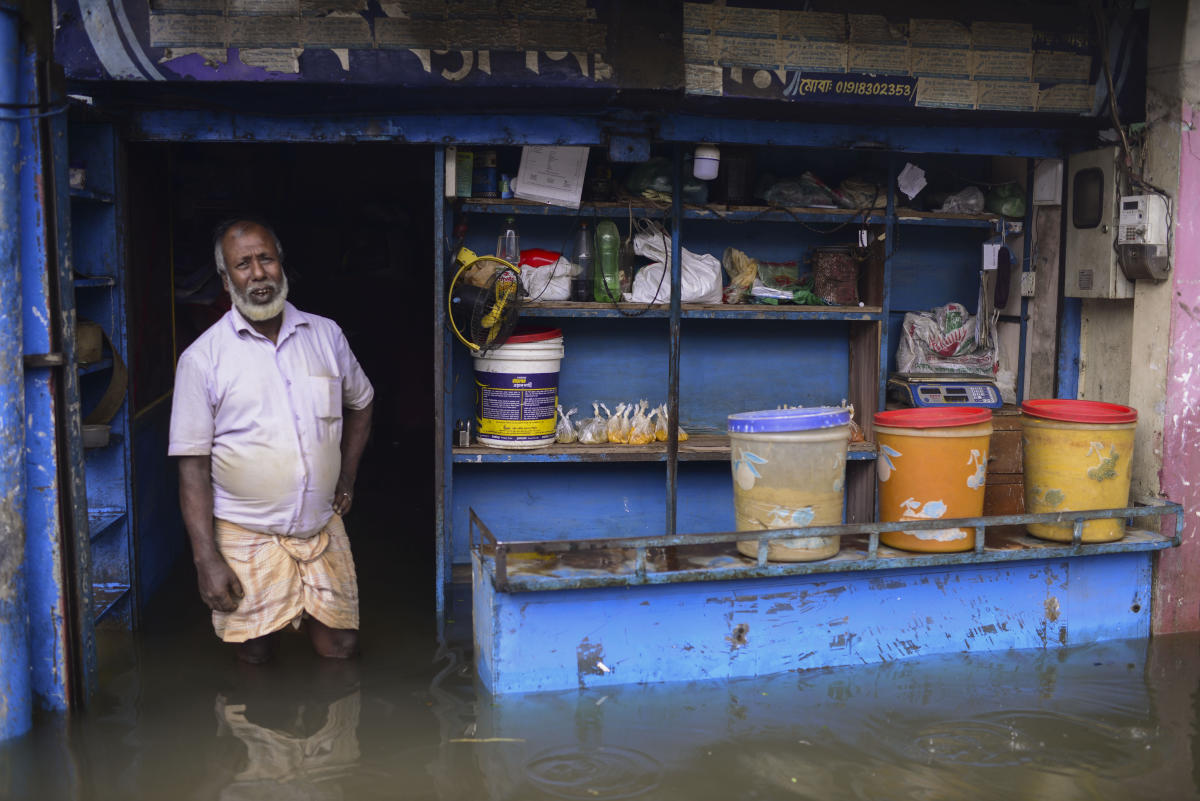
(290, 762)
(1111, 721)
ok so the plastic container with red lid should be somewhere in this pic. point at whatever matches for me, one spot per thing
(524, 334)
(932, 464)
(1079, 411)
(933, 417)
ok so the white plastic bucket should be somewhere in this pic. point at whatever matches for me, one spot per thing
(516, 390)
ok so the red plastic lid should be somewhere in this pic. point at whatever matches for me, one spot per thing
(934, 417)
(1079, 411)
(533, 334)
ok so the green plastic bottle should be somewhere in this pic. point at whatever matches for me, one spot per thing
(607, 284)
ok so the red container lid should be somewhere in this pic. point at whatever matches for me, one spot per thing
(532, 334)
(934, 417)
(1079, 411)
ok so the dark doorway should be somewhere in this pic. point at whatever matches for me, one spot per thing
(356, 225)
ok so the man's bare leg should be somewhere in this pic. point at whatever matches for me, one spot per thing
(331, 643)
(258, 650)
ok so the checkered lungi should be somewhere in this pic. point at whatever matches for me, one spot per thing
(285, 577)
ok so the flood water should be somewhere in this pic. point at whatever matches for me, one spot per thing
(177, 718)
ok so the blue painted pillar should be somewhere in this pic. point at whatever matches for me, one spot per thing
(15, 696)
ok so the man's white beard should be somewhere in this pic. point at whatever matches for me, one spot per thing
(258, 312)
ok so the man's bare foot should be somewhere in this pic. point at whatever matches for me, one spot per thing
(331, 643)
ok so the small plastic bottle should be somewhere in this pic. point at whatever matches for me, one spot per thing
(508, 244)
(607, 284)
(584, 256)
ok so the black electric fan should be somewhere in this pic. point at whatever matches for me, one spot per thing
(484, 300)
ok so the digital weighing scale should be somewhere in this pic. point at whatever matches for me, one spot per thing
(923, 391)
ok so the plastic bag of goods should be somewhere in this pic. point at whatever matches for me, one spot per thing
(564, 431)
(594, 430)
(943, 341)
(700, 273)
(546, 275)
(641, 430)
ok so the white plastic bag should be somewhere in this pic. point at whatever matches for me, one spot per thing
(550, 281)
(700, 273)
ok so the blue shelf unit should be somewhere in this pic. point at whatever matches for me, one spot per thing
(730, 357)
(98, 260)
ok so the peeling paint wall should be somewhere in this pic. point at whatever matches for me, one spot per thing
(1177, 83)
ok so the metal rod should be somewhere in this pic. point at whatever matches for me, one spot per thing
(673, 368)
(848, 529)
(16, 708)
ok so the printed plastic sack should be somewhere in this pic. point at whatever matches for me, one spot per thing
(546, 275)
(943, 341)
(700, 273)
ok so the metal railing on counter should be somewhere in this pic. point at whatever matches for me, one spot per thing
(542, 565)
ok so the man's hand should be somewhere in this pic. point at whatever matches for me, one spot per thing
(343, 495)
(219, 586)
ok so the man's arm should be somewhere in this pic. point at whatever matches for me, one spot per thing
(219, 587)
(356, 427)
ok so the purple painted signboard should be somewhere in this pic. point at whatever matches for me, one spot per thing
(1038, 59)
(407, 42)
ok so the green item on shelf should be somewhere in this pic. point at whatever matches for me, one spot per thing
(1007, 200)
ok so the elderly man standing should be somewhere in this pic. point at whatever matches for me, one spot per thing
(270, 416)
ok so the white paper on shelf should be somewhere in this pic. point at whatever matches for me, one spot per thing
(551, 174)
(911, 180)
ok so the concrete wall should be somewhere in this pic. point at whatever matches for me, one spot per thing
(1165, 367)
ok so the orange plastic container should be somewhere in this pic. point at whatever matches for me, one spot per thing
(932, 464)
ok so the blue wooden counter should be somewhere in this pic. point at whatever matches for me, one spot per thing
(685, 609)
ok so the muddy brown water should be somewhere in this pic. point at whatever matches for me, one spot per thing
(178, 719)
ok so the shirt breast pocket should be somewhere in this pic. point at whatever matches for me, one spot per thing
(326, 396)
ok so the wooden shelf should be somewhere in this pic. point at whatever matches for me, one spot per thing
(697, 448)
(91, 195)
(701, 311)
(717, 212)
(102, 519)
(105, 597)
(528, 207)
(935, 218)
(88, 281)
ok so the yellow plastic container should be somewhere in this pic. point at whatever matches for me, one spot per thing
(789, 471)
(1077, 457)
(932, 464)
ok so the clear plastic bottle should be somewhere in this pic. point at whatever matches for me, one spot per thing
(584, 256)
(607, 284)
(508, 244)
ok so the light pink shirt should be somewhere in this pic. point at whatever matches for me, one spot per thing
(271, 417)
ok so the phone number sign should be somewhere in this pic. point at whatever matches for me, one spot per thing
(807, 87)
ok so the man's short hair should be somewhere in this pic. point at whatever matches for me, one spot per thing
(239, 224)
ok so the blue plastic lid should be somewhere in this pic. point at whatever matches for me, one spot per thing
(806, 418)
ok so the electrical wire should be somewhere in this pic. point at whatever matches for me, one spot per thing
(1133, 178)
